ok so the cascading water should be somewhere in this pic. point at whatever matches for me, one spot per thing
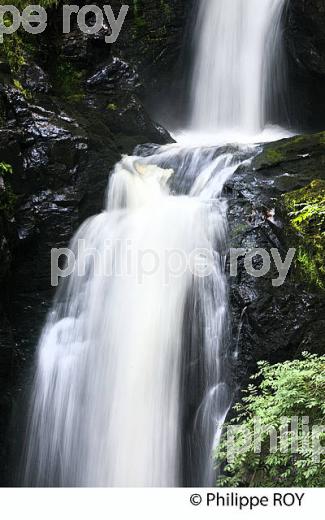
(132, 382)
(111, 380)
(237, 39)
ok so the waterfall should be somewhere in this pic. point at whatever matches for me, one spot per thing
(133, 382)
(111, 380)
(232, 81)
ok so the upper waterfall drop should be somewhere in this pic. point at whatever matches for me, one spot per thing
(231, 88)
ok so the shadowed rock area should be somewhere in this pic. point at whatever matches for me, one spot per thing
(278, 323)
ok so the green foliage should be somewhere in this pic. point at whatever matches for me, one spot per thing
(12, 49)
(26, 93)
(166, 9)
(140, 23)
(15, 45)
(21, 4)
(306, 209)
(7, 197)
(68, 82)
(112, 106)
(5, 168)
(288, 390)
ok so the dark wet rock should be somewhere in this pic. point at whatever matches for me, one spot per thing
(5, 253)
(34, 79)
(274, 323)
(153, 40)
(292, 163)
(4, 67)
(117, 74)
(84, 49)
(304, 32)
(79, 105)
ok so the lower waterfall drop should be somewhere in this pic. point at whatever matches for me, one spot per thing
(123, 349)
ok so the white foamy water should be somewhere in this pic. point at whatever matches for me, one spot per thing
(109, 391)
(236, 40)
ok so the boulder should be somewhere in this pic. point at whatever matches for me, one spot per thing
(277, 323)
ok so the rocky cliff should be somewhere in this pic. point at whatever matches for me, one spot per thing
(278, 201)
(304, 34)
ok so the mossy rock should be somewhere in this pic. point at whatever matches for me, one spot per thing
(291, 149)
(306, 211)
(294, 162)
(68, 81)
(7, 197)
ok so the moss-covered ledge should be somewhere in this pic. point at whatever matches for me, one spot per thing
(306, 212)
(291, 175)
(294, 162)
(290, 149)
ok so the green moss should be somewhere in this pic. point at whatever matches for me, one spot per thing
(166, 9)
(322, 137)
(112, 106)
(7, 197)
(306, 211)
(21, 4)
(290, 150)
(75, 98)
(273, 156)
(15, 46)
(297, 139)
(12, 50)
(5, 169)
(309, 266)
(140, 24)
(68, 81)
(21, 89)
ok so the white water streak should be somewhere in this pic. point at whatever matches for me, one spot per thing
(107, 396)
(228, 87)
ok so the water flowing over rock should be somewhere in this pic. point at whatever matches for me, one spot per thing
(133, 383)
(134, 374)
(236, 41)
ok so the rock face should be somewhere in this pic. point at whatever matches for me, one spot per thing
(277, 323)
(155, 39)
(304, 33)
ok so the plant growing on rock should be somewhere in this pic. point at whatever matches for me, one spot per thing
(14, 46)
(293, 389)
(306, 210)
(7, 197)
